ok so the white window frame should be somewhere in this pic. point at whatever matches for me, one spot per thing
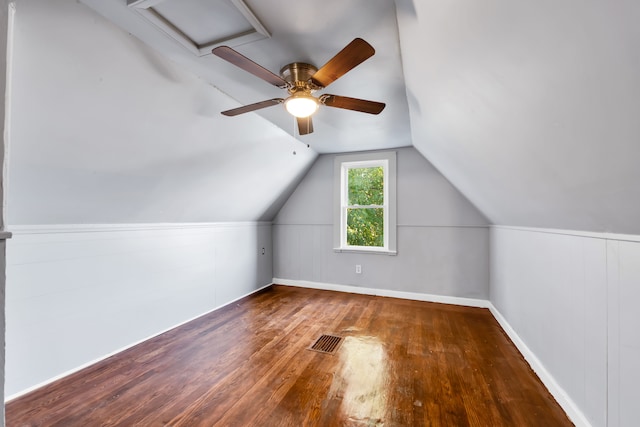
(342, 164)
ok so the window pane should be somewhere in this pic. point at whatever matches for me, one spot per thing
(366, 186)
(365, 227)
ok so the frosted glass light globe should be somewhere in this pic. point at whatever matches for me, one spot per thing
(301, 106)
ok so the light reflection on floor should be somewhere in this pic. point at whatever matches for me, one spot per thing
(359, 380)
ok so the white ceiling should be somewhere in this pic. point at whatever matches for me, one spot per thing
(194, 17)
(302, 31)
(105, 130)
(529, 108)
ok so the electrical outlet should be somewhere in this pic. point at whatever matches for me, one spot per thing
(358, 269)
(262, 251)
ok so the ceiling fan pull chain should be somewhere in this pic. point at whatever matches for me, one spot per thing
(294, 132)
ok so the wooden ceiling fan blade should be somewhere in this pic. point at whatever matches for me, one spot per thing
(253, 107)
(348, 58)
(355, 104)
(241, 61)
(305, 125)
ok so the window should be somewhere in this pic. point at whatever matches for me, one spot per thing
(365, 214)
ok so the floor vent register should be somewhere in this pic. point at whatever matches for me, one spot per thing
(327, 344)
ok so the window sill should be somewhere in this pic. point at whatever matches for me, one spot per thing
(366, 251)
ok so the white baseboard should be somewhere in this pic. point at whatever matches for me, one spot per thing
(563, 399)
(570, 408)
(469, 302)
(106, 356)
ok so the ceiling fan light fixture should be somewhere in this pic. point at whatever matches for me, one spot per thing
(301, 80)
(301, 105)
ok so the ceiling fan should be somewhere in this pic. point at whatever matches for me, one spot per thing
(301, 80)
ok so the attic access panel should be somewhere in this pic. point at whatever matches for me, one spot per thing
(201, 25)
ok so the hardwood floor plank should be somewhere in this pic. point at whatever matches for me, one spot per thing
(401, 363)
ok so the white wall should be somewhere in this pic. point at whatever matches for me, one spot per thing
(5, 57)
(76, 294)
(572, 298)
(443, 241)
(2, 326)
(106, 131)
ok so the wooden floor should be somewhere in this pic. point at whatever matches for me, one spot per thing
(401, 363)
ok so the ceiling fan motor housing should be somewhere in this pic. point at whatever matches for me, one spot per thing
(298, 75)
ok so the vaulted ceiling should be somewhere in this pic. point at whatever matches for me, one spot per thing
(529, 108)
(301, 31)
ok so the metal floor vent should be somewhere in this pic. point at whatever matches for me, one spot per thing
(326, 344)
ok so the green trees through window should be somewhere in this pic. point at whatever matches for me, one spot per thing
(365, 210)
(364, 215)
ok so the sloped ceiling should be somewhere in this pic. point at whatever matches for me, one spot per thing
(106, 130)
(300, 31)
(530, 108)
